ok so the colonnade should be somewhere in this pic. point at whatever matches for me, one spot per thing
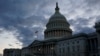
(93, 46)
(56, 33)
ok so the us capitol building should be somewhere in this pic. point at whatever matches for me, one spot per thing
(59, 41)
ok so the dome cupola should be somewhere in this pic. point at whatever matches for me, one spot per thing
(57, 15)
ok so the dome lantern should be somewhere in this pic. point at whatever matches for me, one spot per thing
(57, 8)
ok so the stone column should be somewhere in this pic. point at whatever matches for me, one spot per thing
(57, 33)
(98, 43)
(54, 33)
(52, 50)
(45, 49)
(48, 49)
(63, 32)
(95, 44)
(90, 45)
(49, 33)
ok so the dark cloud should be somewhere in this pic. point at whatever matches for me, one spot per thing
(98, 18)
(10, 44)
(27, 16)
(6, 37)
(18, 15)
(82, 25)
(25, 27)
(18, 44)
(23, 7)
(93, 4)
(17, 7)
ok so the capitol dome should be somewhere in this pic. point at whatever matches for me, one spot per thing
(57, 26)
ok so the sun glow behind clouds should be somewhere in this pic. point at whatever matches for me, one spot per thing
(8, 40)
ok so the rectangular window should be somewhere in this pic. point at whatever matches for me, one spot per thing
(73, 48)
(78, 47)
(63, 50)
(68, 49)
(77, 41)
(60, 50)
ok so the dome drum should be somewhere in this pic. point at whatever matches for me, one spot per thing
(57, 33)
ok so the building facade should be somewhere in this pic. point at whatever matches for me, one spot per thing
(73, 46)
(12, 52)
(59, 40)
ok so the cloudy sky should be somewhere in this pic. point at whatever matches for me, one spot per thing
(19, 19)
